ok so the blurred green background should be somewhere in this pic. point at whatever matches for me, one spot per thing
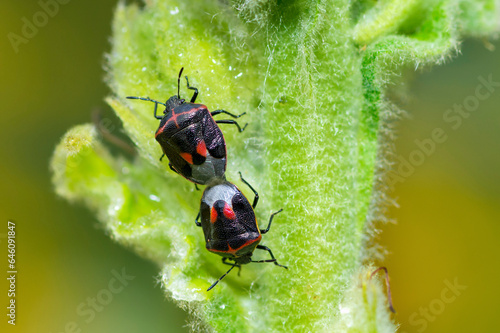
(447, 220)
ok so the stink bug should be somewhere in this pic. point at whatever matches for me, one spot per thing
(190, 137)
(229, 224)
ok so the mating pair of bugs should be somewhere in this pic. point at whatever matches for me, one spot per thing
(194, 144)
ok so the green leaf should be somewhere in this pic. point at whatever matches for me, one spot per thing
(312, 77)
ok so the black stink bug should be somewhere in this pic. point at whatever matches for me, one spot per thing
(190, 137)
(229, 224)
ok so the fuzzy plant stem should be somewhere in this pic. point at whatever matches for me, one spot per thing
(311, 77)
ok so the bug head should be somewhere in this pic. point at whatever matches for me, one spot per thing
(172, 102)
(245, 259)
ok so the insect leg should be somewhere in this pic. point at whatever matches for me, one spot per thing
(263, 231)
(216, 112)
(193, 99)
(223, 276)
(256, 198)
(198, 224)
(232, 122)
(172, 168)
(262, 247)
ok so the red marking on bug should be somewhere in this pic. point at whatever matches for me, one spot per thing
(228, 212)
(173, 118)
(213, 215)
(201, 149)
(187, 157)
(233, 251)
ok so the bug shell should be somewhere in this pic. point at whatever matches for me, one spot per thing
(193, 143)
(228, 221)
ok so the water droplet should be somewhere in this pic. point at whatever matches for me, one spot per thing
(344, 310)
(154, 198)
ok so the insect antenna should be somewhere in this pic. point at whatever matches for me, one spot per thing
(215, 283)
(146, 99)
(149, 100)
(179, 83)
